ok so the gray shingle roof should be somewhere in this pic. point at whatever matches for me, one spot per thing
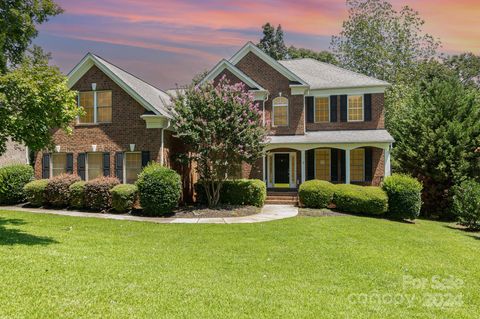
(335, 137)
(320, 75)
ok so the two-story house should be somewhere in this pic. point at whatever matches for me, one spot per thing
(325, 122)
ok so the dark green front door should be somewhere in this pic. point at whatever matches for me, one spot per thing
(282, 167)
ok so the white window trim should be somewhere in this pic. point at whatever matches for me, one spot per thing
(363, 165)
(363, 108)
(95, 107)
(315, 109)
(125, 165)
(329, 162)
(273, 113)
(292, 158)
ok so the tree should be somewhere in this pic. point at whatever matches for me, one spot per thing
(322, 56)
(223, 127)
(18, 19)
(379, 41)
(272, 42)
(34, 98)
(467, 66)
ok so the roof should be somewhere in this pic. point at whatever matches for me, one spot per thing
(320, 75)
(150, 97)
(226, 65)
(335, 137)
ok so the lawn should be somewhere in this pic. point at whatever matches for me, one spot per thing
(304, 267)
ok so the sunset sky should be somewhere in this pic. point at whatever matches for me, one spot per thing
(167, 42)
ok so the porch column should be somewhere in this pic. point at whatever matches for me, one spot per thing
(302, 161)
(386, 164)
(347, 166)
(264, 169)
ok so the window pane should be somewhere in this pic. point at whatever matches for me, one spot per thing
(95, 165)
(133, 166)
(322, 164)
(87, 102)
(355, 108)
(357, 165)
(280, 111)
(104, 106)
(59, 163)
(322, 109)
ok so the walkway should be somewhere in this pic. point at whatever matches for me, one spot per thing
(268, 213)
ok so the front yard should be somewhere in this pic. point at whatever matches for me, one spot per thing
(316, 267)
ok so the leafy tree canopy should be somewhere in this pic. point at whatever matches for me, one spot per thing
(467, 66)
(272, 42)
(322, 56)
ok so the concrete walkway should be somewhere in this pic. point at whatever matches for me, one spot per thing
(268, 213)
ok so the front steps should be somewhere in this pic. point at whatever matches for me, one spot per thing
(278, 197)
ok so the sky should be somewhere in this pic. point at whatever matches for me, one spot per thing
(167, 42)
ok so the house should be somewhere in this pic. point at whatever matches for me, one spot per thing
(325, 122)
(15, 153)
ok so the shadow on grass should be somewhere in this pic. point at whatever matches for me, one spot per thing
(12, 236)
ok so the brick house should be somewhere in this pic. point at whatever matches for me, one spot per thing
(325, 123)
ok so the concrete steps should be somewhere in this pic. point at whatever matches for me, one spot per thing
(282, 198)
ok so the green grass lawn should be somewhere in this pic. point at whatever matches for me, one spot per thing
(304, 267)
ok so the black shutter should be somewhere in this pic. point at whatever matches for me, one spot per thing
(343, 108)
(333, 108)
(368, 107)
(145, 158)
(69, 163)
(106, 164)
(46, 165)
(368, 164)
(309, 102)
(81, 165)
(310, 165)
(334, 164)
(119, 166)
(343, 166)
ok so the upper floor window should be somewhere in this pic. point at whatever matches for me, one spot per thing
(97, 106)
(322, 109)
(355, 108)
(280, 111)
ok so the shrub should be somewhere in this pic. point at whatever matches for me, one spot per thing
(360, 199)
(97, 193)
(159, 189)
(238, 192)
(12, 180)
(316, 193)
(404, 196)
(57, 192)
(77, 194)
(124, 197)
(35, 192)
(466, 203)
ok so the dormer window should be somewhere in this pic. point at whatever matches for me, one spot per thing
(97, 106)
(280, 111)
(355, 108)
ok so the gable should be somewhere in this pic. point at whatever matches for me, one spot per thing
(232, 78)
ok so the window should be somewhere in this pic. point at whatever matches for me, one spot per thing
(94, 165)
(280, 111)
(355, 108)
(357, 165)
(97, 106)
(322, 164)
(59, 163)
(133, 166)
(322, 109)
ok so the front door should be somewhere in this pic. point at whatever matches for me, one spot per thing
(282, 170)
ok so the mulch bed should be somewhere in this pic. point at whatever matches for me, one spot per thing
(323, 212)
(220, 211)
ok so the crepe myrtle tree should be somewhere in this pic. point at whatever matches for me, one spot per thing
(222, 125)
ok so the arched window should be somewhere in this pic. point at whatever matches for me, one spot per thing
(280, 111)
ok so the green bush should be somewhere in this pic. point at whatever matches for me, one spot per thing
(159, 189)
(77, 194)
(35, 192)
(12, 180)
(316, 193)
(238, 192)
(360, 199)
(404, 196)
(97, 193)
(124, 197)
(57, 192)
(466, 204)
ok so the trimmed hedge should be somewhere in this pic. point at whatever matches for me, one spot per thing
(404, 196)
(12, 180)
(466, 204)
(251, 192)
(57, 192)
(97, 193)
(316, 193)
(160, 189)
(124, 197)
(35, 192)
(360, 199)
(77, 194)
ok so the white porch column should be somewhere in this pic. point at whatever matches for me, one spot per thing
(347, 166)
(387, 166)
(161, 148)
(302, 161)
(264, 169)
